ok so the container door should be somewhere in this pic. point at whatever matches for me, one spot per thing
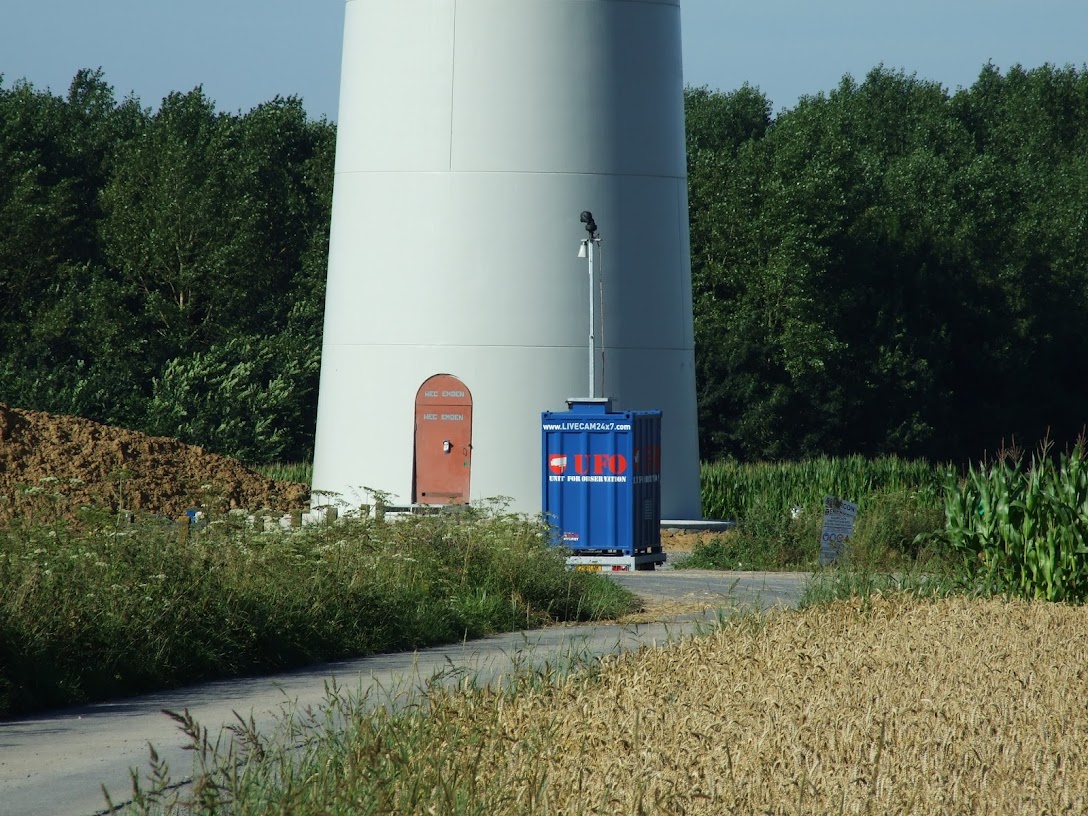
(443, 443)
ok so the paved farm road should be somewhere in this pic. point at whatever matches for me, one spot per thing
(56, 763)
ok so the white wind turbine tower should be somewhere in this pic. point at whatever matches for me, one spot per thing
(471, 135)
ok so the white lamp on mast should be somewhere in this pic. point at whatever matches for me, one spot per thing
(586, 251)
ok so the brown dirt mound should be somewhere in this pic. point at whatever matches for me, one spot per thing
(683, 540)
(83, 462)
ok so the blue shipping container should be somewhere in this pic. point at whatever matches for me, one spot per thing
(602, 478)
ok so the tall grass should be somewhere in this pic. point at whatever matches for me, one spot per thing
(99, 609)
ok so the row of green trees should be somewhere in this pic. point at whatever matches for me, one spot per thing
(164, 271)
(884, 268)
(891, 268)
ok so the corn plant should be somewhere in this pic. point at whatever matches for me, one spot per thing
(1022, 530)
(296, 472)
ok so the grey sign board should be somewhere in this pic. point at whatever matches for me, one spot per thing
(837, 528)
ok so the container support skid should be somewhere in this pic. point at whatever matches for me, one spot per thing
(615, 563)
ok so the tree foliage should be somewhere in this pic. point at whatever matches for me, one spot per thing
(168, 255)
(887, 267)
(890, 268)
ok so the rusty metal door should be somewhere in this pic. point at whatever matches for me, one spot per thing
(443, 443)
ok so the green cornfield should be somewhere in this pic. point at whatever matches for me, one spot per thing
(1021, 527)
(736, 490)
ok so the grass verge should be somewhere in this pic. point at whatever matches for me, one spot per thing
(98, 610)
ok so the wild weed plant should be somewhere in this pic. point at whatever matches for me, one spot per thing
(100, 608)
(762, 541)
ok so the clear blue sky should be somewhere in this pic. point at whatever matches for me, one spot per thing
(244, 52)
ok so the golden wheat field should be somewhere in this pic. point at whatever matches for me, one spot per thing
(892, 706)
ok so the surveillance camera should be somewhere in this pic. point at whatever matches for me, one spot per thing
(587, 219)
